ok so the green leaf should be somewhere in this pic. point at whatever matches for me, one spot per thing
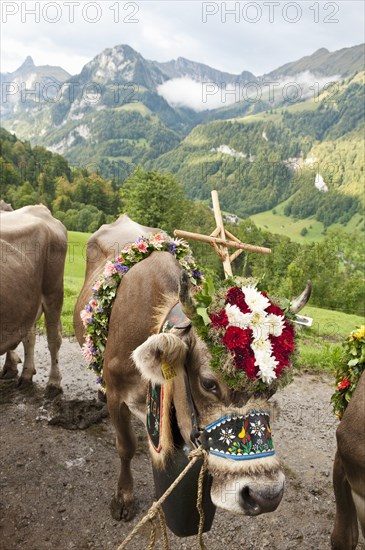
(353, 362)
(203, 314)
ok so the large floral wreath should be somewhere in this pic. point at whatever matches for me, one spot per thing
(250, 338)
(95, 316)
(348, 375)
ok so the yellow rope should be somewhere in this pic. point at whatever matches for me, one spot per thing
(156, 509)
(199, 505)
(152, 535)
(161, 517)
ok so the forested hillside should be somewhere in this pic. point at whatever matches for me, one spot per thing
(257, 162)
(31, 175)
(83, 201)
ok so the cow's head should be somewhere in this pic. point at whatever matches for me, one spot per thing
(245, 483)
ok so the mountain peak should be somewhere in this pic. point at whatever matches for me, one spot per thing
(321, 51)
(28, 63)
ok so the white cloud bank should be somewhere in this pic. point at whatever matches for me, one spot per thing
(186, 92)
(200, 96)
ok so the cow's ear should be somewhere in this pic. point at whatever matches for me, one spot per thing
(160, 357)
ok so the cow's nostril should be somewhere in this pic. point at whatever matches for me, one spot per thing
(248, 501)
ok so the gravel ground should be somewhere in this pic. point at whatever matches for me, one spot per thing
(56, 483)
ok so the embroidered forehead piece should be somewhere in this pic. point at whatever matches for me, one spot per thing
(240, 437)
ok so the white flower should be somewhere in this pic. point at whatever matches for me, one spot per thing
(276, 324)
(227, 436)
(236, 318)
(257, 428)
(254, 299)
(261, 345)
(259, 325)
(266, 363)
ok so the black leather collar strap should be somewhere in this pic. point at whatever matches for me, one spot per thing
(194, 415)
(176, 319)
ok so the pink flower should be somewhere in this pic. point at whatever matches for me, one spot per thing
(93, 303)
(142, 246)
(89, 341)
(126, 249)
(109, 269)
(158, 237)
(97, 285)
(157, 240)
(87, 353)
(120, 259)
(85, 317)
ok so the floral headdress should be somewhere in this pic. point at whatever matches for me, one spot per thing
(250, 338)
(348, 375)
(95, 316)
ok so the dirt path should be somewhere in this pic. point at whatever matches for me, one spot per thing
(56, 484)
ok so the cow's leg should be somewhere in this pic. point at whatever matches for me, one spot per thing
(52, 306)
(124, 504)
(28, 371)
(345, 532)
(10, 369)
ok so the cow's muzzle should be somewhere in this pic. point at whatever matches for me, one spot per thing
(255, 501)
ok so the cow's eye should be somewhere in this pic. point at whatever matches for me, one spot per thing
(209, 385)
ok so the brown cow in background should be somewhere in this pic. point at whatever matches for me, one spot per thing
(33, 252)
(349, 473)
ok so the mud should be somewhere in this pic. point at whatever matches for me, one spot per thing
(59, 469)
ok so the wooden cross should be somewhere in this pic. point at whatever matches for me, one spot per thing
(221, 239)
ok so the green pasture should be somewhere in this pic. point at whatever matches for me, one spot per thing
(319, 346)
(285, 225)
(74, 275)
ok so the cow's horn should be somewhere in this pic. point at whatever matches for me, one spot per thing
(186, 300)
(299, 302)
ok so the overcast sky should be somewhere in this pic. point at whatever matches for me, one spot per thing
(258, 36)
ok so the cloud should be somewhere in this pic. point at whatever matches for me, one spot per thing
(201, 96)
(186, 92)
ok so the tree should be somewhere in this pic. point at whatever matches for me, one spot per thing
(154, 199)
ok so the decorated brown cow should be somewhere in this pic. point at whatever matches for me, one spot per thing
(205, 378)
(33, 251)
(349, 465)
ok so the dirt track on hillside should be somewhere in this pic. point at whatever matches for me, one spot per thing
(56, 483)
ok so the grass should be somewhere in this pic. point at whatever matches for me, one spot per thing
(320, 346)
(74, 276)
(284, 225)
(135, 106)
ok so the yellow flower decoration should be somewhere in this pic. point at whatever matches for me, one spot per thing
(359, 333)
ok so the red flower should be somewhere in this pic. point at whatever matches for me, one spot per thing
(274, 309)
(286, 338)
(236, 297)
(219, 319)
(245, 360)
(280, 367)
(250, 368)
(235, 337)
(345, 383)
